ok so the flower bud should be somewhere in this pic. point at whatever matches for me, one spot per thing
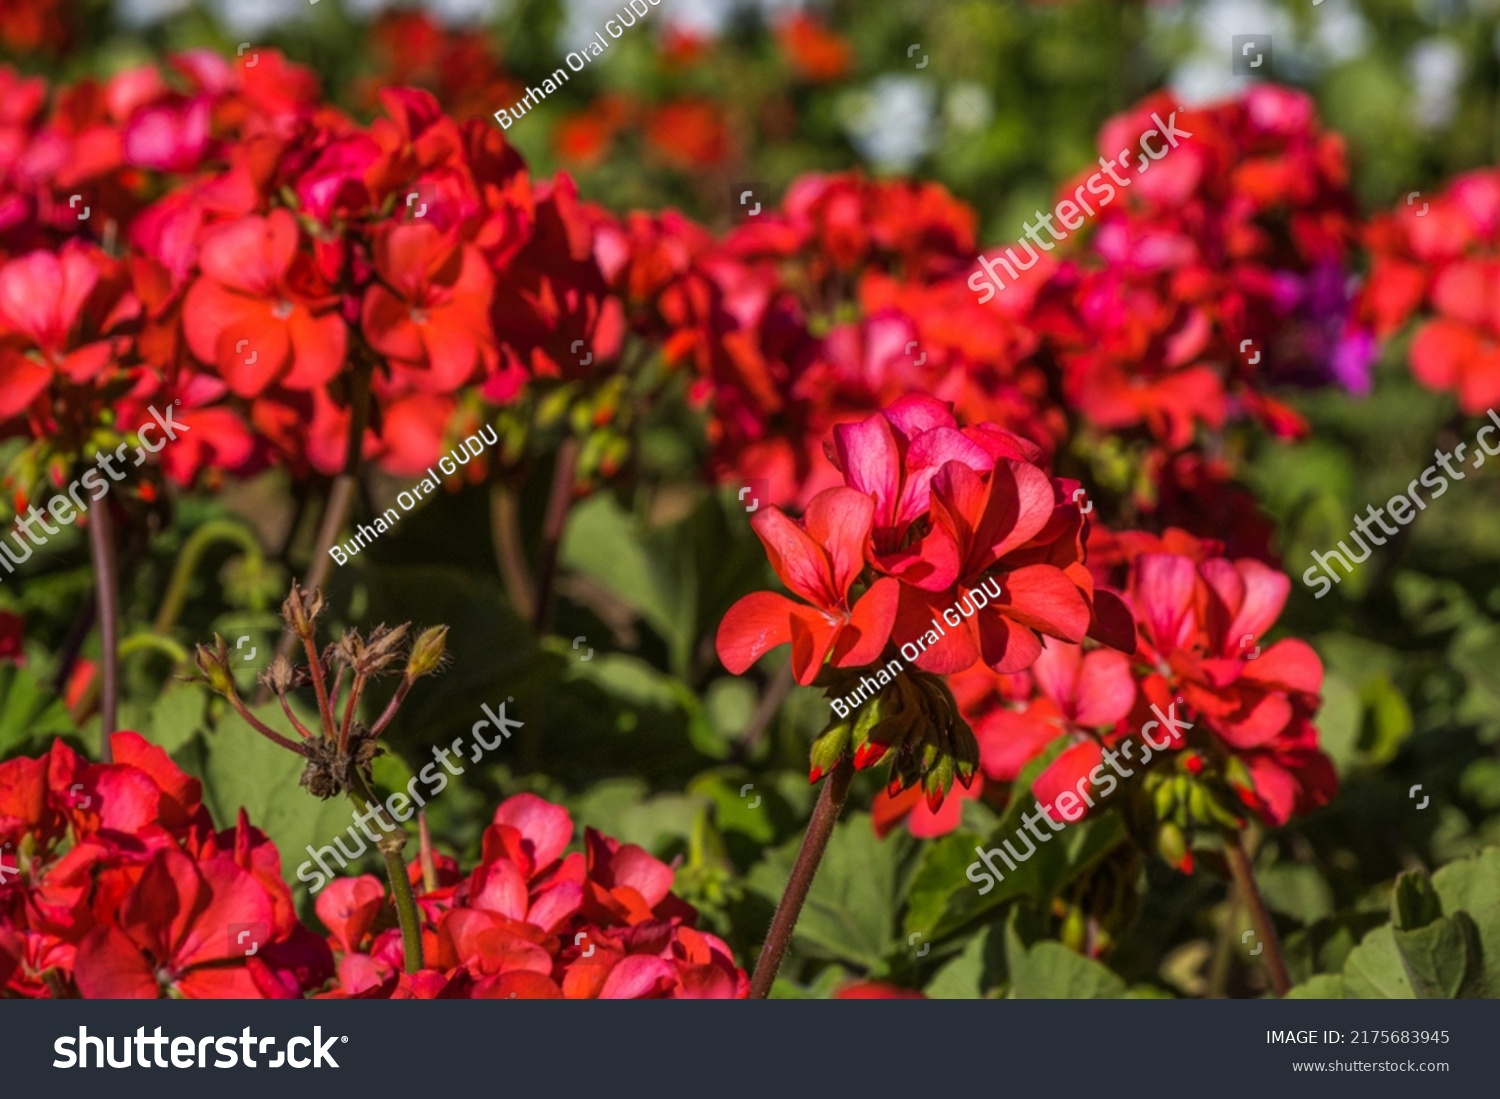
(1171, 844)
(829, 749)
(427, 653)
(214, 664)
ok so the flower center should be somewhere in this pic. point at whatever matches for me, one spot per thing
(282, 310)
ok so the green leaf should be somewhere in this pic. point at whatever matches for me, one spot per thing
(1486, 977)
(1437, 957)
(1325, 986)
(1374, 971)
(180, 714)
(1388, 720)
(944, 898)
(828, 981)
(960, 978)
(29, 711)
(605, 542)
(1050, 971)
(1472, 886)
(1296, 890)
(1414, 903)
(851, 909)
(1324, 946)
(733, 812)
(643, 688)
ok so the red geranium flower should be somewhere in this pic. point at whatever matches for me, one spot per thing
(819, 560)
(429, 314)
(61, 314)
(260, 312)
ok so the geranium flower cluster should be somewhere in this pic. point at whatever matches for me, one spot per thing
(117, 884)
(929, 516)
(1219, 274)
(762, 318)
(1201, 653)
(294, 264)
(1222, 270)
(1441, 259)
(530, 922)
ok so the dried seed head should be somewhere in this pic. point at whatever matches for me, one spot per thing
(385, 648)
(330, 772)
(301, 610)
(346, 651)
(428, 653)
(281, 677)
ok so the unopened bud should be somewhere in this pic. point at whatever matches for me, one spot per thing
(1171, 844)
(427, 653)
(214, 664)
(828, 750)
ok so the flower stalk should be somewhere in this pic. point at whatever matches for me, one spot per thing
(825, 815)
(1260, 915)
(107, 587)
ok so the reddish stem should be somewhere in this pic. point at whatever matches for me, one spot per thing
(819, 830)
(1260, 915)
(552, 531)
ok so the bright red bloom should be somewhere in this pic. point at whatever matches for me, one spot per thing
(1201, 628)
(532, 922)
(990, 528)
(1446, 261)
(429, 314)
(819, 560)
(816, 53)
(174, 934)
(876, 990)
(260, 313)
(1085, 695)
(893, 457)
(1221, 268)
(689, 134)
(146, 898)
(61, 314)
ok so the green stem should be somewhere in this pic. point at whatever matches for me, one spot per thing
(505, 537)
(406, 909)
(150, 642)
(131, 645)
(107, 589)
(556, 520)
(391, 845)
(218, 530)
